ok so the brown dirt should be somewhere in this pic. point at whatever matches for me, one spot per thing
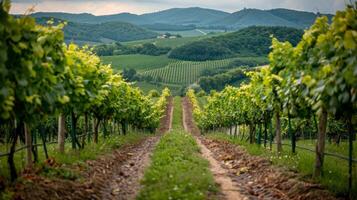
(253, 176)
(228, 188)
(113, 176)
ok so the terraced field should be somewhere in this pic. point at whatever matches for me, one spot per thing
(185, 72)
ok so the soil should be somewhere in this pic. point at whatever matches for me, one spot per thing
(113, 176)
(229, 189)
(251, 177)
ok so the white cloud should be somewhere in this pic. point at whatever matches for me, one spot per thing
(101, 7)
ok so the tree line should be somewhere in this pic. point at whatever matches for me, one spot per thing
(251, 41)
(120, 49)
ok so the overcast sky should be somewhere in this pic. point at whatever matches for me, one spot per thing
(103, 7)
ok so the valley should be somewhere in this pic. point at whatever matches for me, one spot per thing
(178, 100)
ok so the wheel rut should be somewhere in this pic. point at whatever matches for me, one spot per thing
(112, 176)
(243, 176)
(125, 184)
(229, 189)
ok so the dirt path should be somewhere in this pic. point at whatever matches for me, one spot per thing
(221, 175)
(125, 184)
(113, 176)
(250, 177)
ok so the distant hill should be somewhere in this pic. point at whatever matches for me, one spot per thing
(300, 18)
(276, 17)
(200, 17)
(186, 16)
(252, 17)
(109, 31)
(92, 19)
(251, 41)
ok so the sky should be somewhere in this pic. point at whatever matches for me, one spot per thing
(105, 7)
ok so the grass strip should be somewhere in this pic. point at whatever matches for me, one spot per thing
(177, 170)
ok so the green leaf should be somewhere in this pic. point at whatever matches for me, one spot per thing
(349, 41)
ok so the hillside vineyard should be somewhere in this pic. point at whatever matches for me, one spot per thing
(184, 103)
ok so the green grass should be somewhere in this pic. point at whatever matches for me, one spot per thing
(194, 32)
(177, 170)
(90, 152)
(137, 62)
(173, 43)
(335, 176)
(177, 117)
(185, 72)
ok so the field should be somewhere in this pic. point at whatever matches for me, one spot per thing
(192, 33)
(185, 72)
(137, 62)
(173, 43)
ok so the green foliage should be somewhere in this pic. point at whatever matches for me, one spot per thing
(219, 81)
(31, 62)
(112, 31)
(252, 41)
(154, 93)
(119, 49)
(317, 77)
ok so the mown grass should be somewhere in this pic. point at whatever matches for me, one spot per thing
(335, 176)
(177, 123)
(71, 156)
(138, 62)
(177, 170)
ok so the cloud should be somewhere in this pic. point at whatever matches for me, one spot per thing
(101, 7)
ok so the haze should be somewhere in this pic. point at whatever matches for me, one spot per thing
(104, 7)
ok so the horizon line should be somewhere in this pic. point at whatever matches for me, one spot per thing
(117, 13)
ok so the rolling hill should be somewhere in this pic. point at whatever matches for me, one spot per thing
(92, 19)
(186, 16)
(251, 41)
(198, 17)
(276, 17)
(108, 31)
(252, 17)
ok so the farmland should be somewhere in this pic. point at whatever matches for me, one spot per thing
(137, 62)
(173, 43)
(185, 72)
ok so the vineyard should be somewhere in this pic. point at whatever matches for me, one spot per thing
(185, 72)
(72, 127)
(308, 92)
(48, 87)
(138, 62)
